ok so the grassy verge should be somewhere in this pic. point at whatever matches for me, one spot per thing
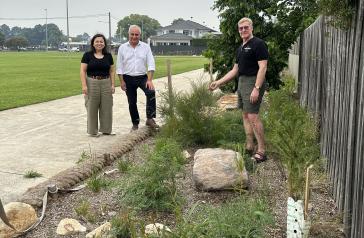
(34, 77)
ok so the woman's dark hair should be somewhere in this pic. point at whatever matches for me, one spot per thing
(92, 48)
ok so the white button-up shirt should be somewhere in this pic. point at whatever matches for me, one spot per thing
(135, 61)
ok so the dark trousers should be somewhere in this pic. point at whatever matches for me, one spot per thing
(132, 84)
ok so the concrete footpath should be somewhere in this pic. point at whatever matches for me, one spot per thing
(50, 137)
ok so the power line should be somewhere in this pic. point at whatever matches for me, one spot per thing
(43, 18)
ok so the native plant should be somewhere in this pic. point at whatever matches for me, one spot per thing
(32, 174)
(239, 217)
(84, 210)
(194, 119)
(292, 137)
(153, 184)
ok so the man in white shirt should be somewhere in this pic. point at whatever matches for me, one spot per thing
(135, 67)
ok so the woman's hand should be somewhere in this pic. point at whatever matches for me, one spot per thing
(112, 89)
(84, 90)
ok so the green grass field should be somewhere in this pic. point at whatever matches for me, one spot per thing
(33, 77)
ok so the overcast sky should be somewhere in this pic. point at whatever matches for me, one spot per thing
(165, 11)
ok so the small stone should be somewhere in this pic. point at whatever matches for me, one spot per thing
(69, 226)
(156, 229)
(112, 213)
(186, 155)
(101, 231)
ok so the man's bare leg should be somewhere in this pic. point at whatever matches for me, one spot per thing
(249, 132)
(258, 129)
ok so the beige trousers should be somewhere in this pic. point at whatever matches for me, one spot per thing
(99, 102)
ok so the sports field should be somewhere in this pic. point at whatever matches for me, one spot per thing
(33, 77)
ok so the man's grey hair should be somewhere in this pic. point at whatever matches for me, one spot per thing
(246, 19)
(135, 26)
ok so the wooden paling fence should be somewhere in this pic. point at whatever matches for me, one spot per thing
(331, 84)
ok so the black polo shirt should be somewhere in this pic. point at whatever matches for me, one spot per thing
(248, 55)
(97, 67)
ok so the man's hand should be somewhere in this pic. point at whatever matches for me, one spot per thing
(123, 85)
(254, 95)
(214, 85)
(149, 85)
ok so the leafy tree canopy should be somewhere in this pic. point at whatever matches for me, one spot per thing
(2, 38)
(176, 20)
(275, 21)
(148, 25)
(16, 42)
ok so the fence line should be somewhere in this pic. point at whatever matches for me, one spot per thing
(331, 84)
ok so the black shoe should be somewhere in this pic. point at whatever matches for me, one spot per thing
(151, 123)
(134, 127)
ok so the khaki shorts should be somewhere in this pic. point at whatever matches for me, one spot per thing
(245, 88)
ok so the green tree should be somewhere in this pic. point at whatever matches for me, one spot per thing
(55, 35)
(148, 25)
(16, 42)
(277, 22)
(176, 20)
(5, 29)
(2, 39)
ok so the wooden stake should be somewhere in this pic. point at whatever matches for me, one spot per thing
(307, 191)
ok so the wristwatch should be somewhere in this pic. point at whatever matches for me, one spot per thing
(257, 87)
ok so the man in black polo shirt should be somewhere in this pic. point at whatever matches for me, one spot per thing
(251, 66)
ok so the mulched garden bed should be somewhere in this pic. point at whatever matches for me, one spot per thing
(267, 181)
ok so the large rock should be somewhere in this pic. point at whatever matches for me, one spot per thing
(217, 169)
(100, 231)
(69, 226)
(20, 215)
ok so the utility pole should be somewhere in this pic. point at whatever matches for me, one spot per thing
(109, 29)
(142, 30)
(68, 30)
(46, 29)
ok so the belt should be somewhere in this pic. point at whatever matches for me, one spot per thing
(99, 77)
(126, 76)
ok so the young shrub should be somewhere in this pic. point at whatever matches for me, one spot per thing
(123, 226)
(153, 185)
(190, 116)
(292, 137)
(96, 183)
(124, 165)
(83, 209)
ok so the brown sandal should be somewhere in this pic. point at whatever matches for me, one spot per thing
(259, 157)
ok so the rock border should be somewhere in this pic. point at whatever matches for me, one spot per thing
(66, 179)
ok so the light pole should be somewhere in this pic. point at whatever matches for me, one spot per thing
(46, 29)
(109, 22)
(68, 29)
(142, 31)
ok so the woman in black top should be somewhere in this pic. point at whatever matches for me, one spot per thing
(98, 85)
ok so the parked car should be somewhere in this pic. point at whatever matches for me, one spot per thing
(75, 49)
(62, 49)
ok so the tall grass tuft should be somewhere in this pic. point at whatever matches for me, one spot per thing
(240, 217)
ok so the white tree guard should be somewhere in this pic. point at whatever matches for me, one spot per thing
(297, 227)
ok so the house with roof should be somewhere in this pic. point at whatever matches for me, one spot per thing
(177, 38)
(181, 32)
